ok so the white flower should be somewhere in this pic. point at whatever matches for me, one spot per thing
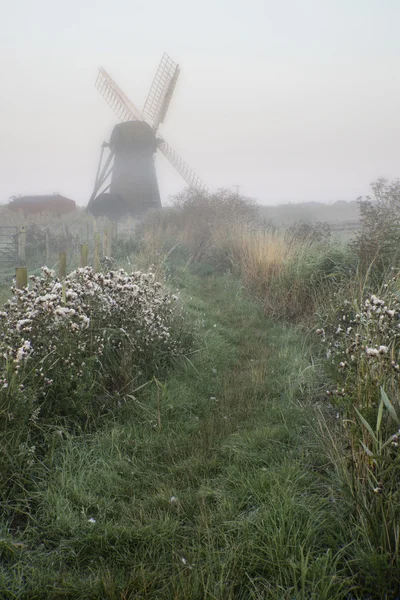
(21, 324)
(24, 351)
(91, 520)
(372, 351)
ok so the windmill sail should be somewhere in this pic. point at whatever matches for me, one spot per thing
(183, 168)
(162, 88)
(121, 105)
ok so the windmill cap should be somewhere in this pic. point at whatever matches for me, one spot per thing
(132, 136)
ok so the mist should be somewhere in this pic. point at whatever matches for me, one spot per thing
(293, 102)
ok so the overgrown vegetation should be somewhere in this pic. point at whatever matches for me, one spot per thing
(264, 464)
(71, 352)
(378, 243)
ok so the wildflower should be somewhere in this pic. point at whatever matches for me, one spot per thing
(372, 351)
(21, 324)
(24, 351)
(376, 301)
(91, 520)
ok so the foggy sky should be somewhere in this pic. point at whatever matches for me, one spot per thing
(293, 100)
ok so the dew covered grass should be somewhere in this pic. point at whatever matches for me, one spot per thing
(208, 484)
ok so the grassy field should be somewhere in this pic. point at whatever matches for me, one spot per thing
(210, 486)
(260, 461)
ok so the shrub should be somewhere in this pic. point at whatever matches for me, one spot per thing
(362, 363)
(58, 239)
(308, 233)
(378, 243)
(363, 349)
(72, 351)
(196, 218)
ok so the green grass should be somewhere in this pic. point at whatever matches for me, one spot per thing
(226, 435)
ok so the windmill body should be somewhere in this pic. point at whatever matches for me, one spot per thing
(133, 176)
(126, 181)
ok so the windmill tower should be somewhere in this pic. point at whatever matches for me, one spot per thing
(126, 181)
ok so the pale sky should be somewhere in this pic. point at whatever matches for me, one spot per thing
(293, 100)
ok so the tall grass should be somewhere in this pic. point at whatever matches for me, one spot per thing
(289, 279)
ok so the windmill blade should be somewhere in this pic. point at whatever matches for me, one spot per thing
(119, 102)
(162, 88)
(183, 169)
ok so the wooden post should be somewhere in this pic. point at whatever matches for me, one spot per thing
(47, 246)
(62, 265)
(96, 257)
(84, 255)
(22, 242)
(110, 238)
(21, 277)
(105, 241)
(115, 231)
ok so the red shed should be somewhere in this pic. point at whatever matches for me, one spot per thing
(54, 203)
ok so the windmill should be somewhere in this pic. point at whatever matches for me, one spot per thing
(126, 181)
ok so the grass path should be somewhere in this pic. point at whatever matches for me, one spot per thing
(207, 485)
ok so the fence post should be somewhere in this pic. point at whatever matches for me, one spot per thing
(110, 238)
(22, 242)
(115, 231)
(47, 246)
(84, 255)
(62, 265)
(96, 258)
(21, 277)
(105, 241)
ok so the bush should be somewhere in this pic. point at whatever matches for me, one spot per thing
(378, 244)
(363, 349)
(72, 351)
(362, 354)
(59, 240)
(196, 220)
(308, 233)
